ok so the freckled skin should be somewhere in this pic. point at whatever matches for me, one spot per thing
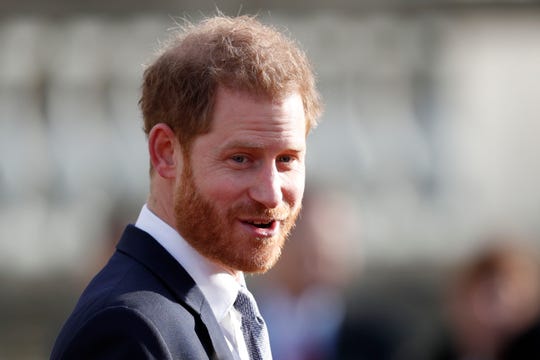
(249, 168)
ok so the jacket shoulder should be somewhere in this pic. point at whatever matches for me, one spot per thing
(142, 325)
(131, 310)
(115, 332)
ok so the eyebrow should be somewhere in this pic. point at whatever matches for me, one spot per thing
(243, 145)
(253, 145)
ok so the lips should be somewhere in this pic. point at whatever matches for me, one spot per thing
(261, 224)
(261, 227)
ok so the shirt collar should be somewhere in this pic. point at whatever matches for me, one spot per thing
(218, 286)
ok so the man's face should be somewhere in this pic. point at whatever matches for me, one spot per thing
(241, 185)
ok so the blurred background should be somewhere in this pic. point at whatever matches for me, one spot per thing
(428, 149)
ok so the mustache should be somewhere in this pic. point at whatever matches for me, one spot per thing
(257, 210)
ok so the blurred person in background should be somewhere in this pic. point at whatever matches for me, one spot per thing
(305, 297)
(227, 107)
(302, 296)
(525, 345)
(492, 300)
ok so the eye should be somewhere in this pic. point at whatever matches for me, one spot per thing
(239, 159)
(285, 158)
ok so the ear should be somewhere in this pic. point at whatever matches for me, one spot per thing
(164, 150)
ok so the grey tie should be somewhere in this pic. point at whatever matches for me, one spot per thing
(253, 326)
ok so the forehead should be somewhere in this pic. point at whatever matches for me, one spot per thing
(237, 114)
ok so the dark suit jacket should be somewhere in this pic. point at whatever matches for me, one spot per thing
(142, 305)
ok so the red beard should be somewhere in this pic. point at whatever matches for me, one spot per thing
(211, 231)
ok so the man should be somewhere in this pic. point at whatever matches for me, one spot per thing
(227, 107)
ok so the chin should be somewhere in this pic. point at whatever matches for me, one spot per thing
(262, 260)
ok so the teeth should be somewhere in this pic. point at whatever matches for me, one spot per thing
(261, 224)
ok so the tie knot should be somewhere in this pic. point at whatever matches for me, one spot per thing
(245, 304)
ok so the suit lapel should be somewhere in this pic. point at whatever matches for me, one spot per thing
(146, 250)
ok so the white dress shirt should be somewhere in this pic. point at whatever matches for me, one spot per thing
(218, 286)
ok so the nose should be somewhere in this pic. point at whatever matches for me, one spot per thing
(267, 187)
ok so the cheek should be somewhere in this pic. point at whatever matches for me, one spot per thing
(220, 190)
(214, 183)
(294, 188)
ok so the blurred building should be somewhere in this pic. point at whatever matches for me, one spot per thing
(431, 123)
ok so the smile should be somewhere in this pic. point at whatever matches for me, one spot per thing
(262, 224)
(261, 227)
